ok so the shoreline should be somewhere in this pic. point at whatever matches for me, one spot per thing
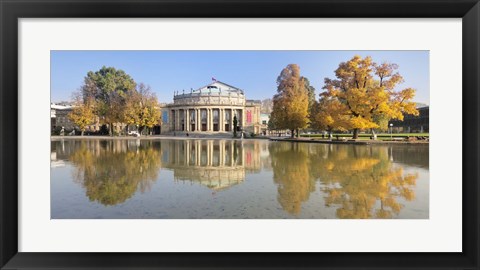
(358, 142)
(207, 137)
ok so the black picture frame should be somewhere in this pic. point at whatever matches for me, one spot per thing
(12, 10)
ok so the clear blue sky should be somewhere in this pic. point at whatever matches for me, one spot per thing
(253, 71)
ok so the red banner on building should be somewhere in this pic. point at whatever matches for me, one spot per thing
(249, 117)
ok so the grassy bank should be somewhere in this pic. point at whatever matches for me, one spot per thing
(367, 135)
(380, 137)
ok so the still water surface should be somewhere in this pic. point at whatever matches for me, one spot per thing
(192, 178)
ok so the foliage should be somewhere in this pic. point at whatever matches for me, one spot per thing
(290, 104)
(327, 115)
(311, 97)
(142, 108)
(82, 114)
(108, 88)
(364, 95)
(116, 98)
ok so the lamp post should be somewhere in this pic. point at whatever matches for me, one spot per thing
(391, 131)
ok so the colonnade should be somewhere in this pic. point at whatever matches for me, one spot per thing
(206, 119)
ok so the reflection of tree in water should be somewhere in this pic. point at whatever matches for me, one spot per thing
(362, 181)
(290, 164)
(111, 172)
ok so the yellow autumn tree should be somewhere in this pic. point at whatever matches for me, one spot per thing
(82, 113)
(290, 104)
(327, 114)
(366, 94)
(142, 108)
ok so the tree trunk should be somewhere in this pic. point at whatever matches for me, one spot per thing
(81, 134)
(110, 129)
(298, 134)
(293, 133)
(355, 133)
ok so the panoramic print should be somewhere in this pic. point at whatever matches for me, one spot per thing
(239, 135)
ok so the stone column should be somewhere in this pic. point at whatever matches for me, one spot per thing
(243, 118)
(179, 128)
(232, 114)
(187, 120)
(196, 119)
(208, 119)
(174, 120)
(184, 119)
(199, 120)
(221, 126)
(178, 120)
(211, 119)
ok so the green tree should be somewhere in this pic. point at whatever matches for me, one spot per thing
(109, 88)
(290, 104)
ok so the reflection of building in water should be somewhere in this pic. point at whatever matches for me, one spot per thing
(217, 164)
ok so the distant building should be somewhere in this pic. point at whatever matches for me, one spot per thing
(211, 109)
(412, 123)
(264, 119)
(59, 119)
(59, 116)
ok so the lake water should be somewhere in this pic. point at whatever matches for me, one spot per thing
(236, 179)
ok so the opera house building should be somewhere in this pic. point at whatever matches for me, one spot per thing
(211, 109)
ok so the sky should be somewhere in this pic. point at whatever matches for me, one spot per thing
(255, 72)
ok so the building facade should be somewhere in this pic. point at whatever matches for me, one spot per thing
(59, 117)
(412, 123)
(211, 109)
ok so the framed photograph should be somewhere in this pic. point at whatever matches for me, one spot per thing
(225, 134)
